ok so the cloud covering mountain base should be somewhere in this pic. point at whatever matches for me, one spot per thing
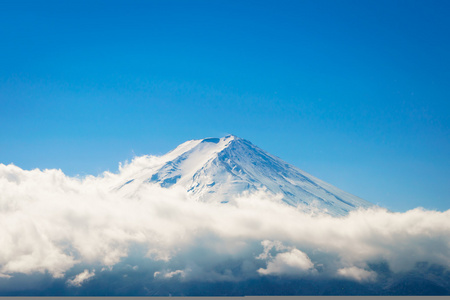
(77, 236)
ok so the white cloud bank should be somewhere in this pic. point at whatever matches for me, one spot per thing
(50, 222)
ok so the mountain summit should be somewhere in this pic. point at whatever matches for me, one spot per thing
(215, 170)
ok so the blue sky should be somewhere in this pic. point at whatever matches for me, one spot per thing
(353, 92)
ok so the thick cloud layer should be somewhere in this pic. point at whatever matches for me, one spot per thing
(55, 224)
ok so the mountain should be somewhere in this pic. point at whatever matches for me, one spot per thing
(215, 170)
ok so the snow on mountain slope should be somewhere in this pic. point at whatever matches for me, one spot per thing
(216, 170)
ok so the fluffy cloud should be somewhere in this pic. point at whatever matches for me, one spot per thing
(291, 262)
(51, 223)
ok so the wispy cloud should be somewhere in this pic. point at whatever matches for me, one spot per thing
(80, 278)
(357, 274)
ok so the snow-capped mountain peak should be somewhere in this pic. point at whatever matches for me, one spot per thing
(218, 169)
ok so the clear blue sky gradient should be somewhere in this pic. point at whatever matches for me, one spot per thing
(354, 92)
